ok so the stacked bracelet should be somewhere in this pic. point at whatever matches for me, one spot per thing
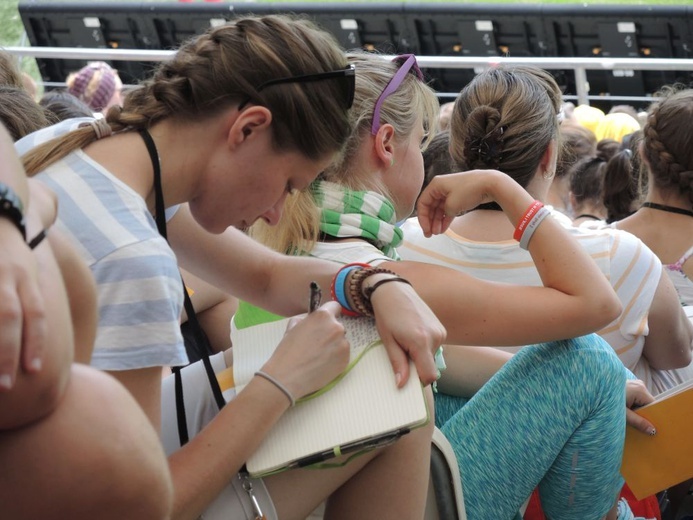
(529, 223)
(360, 298)
(276, 383)
(349, 292)
(338, 287)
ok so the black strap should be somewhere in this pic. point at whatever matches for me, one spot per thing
(181, 418)
(669, 209)
(198, 331)
(587, 215)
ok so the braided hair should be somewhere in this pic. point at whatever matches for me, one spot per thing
(225, 66)
(668, 141)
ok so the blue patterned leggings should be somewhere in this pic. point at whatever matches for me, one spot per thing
(553, 417)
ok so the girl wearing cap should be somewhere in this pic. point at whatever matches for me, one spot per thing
(98, 85)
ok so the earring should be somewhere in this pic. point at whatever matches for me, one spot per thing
(548, 175)
(392, 161)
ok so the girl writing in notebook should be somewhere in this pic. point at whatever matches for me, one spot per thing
(530, 415)
(241, 116)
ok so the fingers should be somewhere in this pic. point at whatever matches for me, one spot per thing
(10, 338)
(637, 394)
(398, 359)
(640, 423)
(34, 328)
(425, 366)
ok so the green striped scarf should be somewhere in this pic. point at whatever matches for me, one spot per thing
(357, 214)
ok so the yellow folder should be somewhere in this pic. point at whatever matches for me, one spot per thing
(654, 463)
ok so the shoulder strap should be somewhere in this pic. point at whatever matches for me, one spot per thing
(160, 217)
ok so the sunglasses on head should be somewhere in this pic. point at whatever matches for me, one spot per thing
(407, 64)
(346, 79)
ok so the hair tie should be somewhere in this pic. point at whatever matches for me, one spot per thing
(100, 126)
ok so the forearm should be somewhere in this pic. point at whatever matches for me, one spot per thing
(561, 262)
(469, 368)
(246, 269)
(203, 467)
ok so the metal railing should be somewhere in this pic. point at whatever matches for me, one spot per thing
(579, 66)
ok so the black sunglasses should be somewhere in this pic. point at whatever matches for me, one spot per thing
(346, 78)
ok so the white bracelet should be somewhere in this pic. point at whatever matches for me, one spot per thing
(532, 226)
(278, 385)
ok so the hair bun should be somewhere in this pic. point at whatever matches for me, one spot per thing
(484, 141)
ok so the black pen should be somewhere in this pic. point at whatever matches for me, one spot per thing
(315, 297)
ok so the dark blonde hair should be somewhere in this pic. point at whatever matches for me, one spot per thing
(413, 103)
(225, 66)
(668, 141)
(576, 142)
(505, 119)
(587, 180)
(10, 75)
(20, 114)
(624, 185)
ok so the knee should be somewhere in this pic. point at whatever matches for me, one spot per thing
(137, 482)
(95, 456)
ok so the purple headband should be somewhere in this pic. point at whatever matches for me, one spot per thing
(393, 85)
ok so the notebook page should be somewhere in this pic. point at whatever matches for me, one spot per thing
(364, 403)
(253, 346)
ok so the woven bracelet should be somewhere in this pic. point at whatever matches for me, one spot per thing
(361, 303)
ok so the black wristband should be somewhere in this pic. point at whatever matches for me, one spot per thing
(12, 208)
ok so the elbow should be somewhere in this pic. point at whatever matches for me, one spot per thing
(606, 309)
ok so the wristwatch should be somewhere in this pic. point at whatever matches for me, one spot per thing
(12, 208)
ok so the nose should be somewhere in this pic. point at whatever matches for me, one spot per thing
(273, 215)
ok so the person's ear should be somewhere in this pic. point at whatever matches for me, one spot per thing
(249, 123)
(550, 157)
(385, 145)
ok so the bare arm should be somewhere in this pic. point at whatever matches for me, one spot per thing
(279, 283)
(575, 299)
(311, 354)
(22, 307)
(670, 339)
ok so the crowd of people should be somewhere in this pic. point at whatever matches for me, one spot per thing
(262, 157)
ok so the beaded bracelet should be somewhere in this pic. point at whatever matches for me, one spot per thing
(361, 302)
(338, 287)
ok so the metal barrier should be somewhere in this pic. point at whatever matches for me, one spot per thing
(578, 65)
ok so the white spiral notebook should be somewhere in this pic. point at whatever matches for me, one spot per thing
(360, 410)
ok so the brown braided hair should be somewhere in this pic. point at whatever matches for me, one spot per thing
(668, 141)
(504, 119)
(223, 67)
